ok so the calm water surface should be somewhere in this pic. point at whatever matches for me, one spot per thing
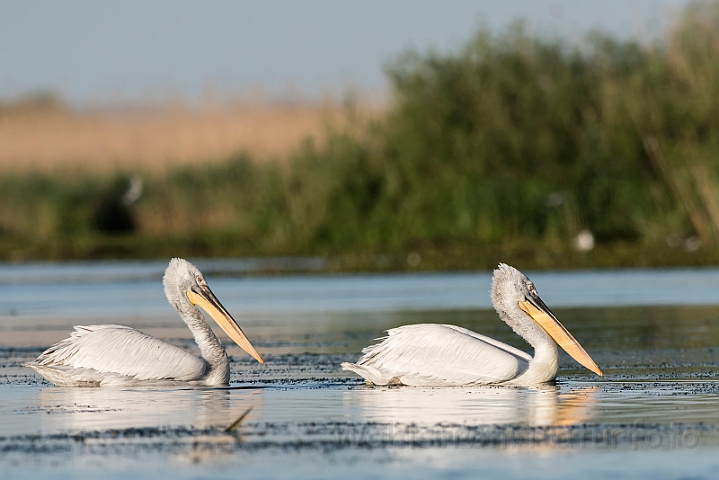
(655, 414)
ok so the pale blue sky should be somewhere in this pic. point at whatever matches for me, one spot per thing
(92, 50)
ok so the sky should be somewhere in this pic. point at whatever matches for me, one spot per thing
(94, 51)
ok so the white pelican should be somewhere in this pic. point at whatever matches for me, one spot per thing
(446, 355)
(97, 355)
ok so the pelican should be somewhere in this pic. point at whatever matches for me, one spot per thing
(446, 355)
(97, 355)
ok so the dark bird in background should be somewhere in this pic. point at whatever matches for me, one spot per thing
(113, 214)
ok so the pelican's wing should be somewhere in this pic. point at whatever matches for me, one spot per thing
(430, 354)
(120, 350)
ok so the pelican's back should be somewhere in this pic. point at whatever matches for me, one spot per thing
(435, 355)
(101, 354)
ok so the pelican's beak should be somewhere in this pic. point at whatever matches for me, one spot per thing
(202, 296)
(540, 313)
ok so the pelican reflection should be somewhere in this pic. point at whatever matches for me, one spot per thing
(114, 408)
(545, 405)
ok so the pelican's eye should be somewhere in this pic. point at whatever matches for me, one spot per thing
(200, 280)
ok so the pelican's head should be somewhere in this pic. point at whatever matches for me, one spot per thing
(515, 297)
(184, 282)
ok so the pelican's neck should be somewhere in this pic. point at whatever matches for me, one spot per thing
(211, 349)
(544, 364)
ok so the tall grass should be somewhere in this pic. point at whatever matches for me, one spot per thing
(512, 145)
(41, 133)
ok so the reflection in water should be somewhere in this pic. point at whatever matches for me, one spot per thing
(30, 410)
(485, 405)
(106, 408)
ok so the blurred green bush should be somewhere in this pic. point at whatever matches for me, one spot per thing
(513, 140)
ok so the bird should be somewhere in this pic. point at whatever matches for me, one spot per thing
(100, 355)
(447, 355)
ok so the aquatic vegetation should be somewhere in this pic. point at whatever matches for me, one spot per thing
(232, 428)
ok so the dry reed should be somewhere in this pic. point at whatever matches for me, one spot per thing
(154, 139)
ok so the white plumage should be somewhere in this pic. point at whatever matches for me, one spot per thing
(431, 354)
(96, 355)
(447, 355)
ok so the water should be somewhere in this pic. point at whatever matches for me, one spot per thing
(655, 414)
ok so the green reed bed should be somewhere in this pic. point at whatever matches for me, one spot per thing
(502, 151)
